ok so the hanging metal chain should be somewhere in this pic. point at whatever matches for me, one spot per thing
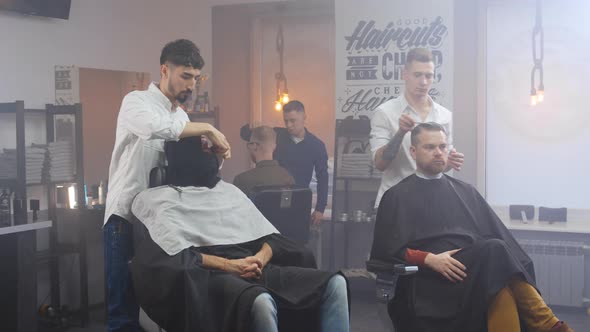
(280, 76)
(538, 49)
(280, 48)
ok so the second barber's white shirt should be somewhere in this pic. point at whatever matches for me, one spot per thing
(146, 120)
(384, 125)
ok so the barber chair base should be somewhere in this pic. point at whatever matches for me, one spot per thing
(384, 291)
(386, 276)
(384, 317)
(147, 324)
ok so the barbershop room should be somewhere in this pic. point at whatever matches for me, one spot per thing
(294, 165)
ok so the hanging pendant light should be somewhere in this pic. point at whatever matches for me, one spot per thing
(538, 94)
(282, 92)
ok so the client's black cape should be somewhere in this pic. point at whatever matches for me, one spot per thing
(181, 295)
(436, 216)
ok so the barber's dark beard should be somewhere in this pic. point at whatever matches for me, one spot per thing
(182, 96)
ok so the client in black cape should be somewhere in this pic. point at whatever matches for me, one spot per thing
(212, 262)
(473, 274)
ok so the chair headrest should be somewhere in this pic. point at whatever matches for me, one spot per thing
(287, 208)
(264, 195)
(263, 189)
(158, 176)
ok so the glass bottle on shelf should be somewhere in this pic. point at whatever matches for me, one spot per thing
(4, 208)
(101, 193)
(201, 104)
(206, 101)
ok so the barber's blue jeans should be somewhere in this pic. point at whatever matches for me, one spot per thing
(333, 309)
(123, 310)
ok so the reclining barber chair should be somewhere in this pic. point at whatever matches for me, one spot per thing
(287, 208)
(140, 233)
(387, 275)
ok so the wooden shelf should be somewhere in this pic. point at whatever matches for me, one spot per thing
(25, 227)
(358, 178)
(212, 114)
(209, 114)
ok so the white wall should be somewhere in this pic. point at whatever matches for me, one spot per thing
(465, 78)
(538, 155)
(108, 34)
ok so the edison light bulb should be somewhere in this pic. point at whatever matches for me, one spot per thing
(540, 95)
(534, 100)
(285, 98)
(278, 106)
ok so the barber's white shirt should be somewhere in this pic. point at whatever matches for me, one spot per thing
(384, 125)
(146, 119)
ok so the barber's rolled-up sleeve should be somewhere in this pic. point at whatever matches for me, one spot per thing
(138, 118)
(381, 132)
(449, 129)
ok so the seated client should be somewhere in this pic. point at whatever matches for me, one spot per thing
(214, 263)
(474, 276)
(267, 172)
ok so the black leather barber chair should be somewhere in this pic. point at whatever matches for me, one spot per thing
(287, 208)
(387, 275)
(140, 234)
(157, 176)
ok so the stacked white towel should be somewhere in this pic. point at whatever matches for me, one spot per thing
(35, 162)
(61, 161)
(8, 164)
(356, 165)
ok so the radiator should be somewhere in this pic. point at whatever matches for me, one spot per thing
(559, 268)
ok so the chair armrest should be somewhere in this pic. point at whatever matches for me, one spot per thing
(379, 266)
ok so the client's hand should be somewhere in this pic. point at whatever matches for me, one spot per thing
(247, 268)
(264, 255)
(446, 265)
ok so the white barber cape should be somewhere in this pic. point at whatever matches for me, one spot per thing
(182, 217)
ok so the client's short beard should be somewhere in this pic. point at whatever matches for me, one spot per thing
(433, 169)
(436, 169)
